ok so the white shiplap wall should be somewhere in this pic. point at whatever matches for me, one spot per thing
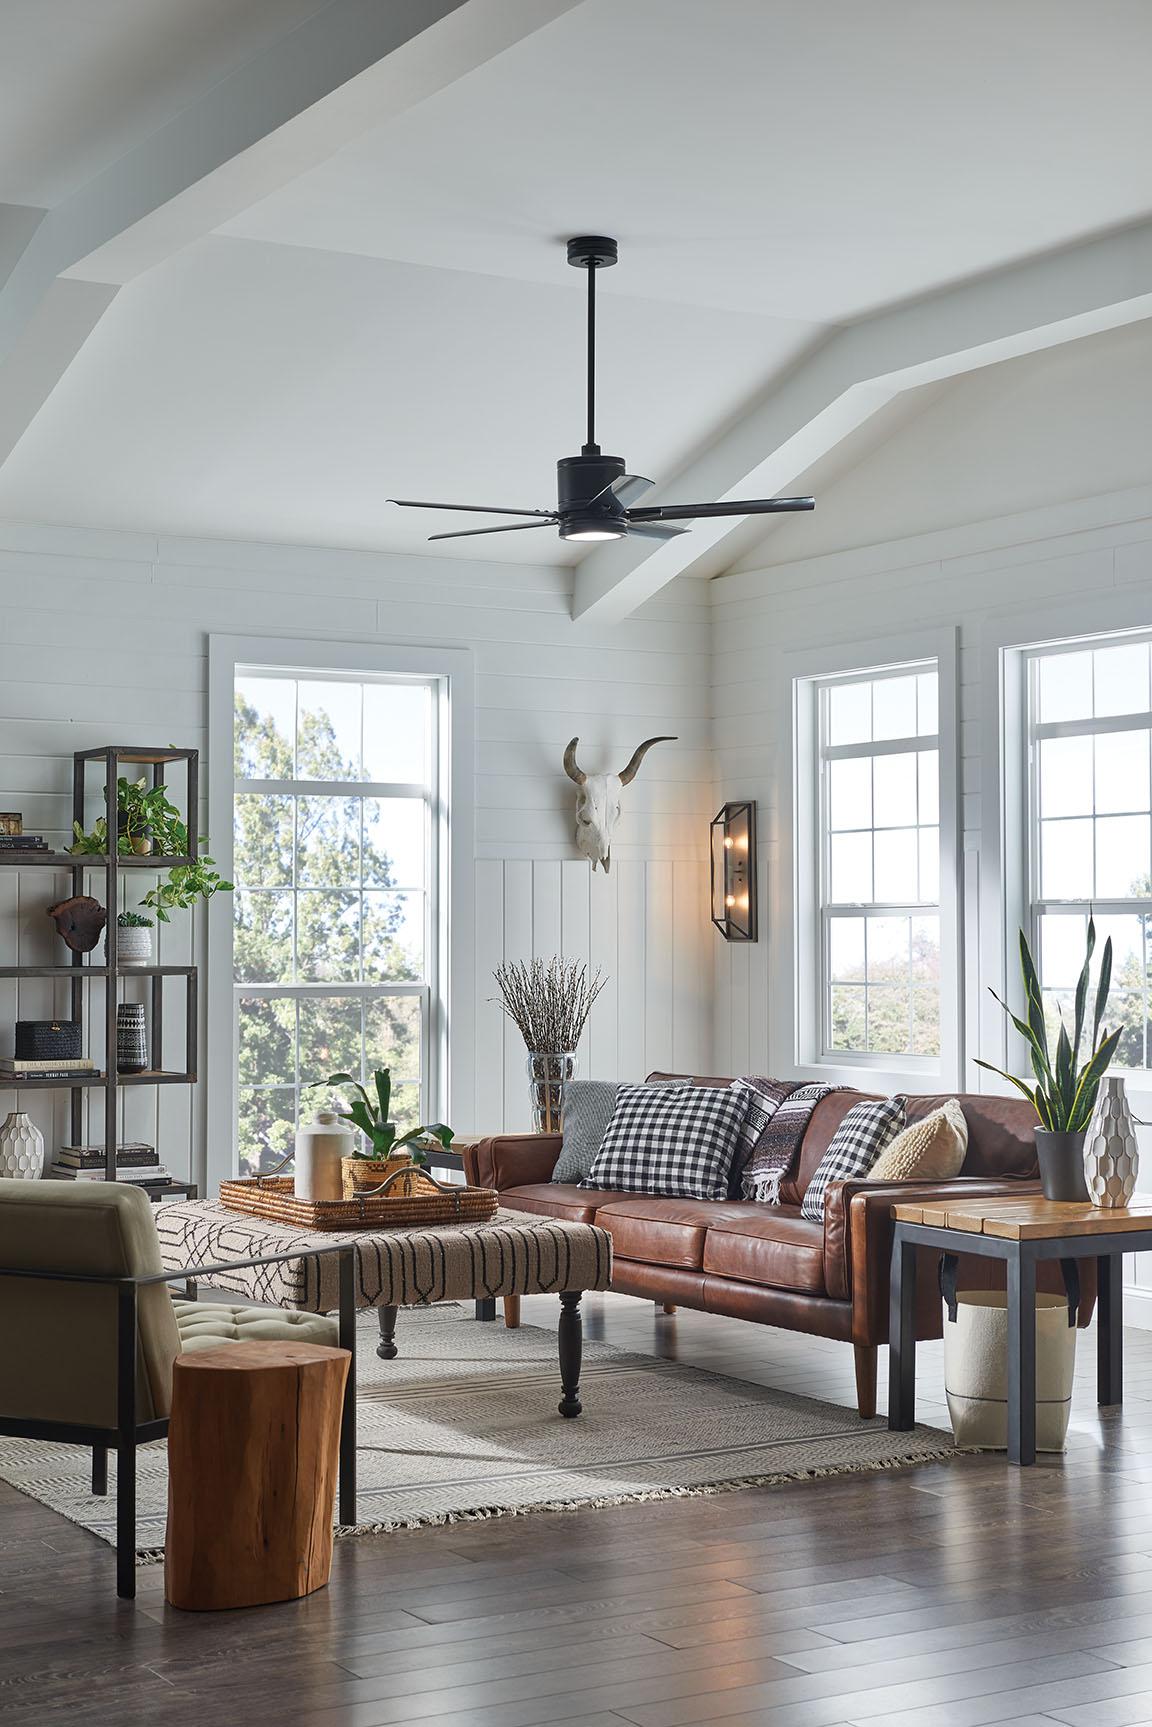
(103, 639)
(1076, 568)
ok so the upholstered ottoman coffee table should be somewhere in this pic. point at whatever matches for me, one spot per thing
(513, 1254)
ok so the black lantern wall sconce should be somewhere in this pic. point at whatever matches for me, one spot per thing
(734, 871)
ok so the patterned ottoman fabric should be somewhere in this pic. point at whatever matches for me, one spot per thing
(513, 1254)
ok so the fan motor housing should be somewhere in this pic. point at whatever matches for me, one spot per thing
(578, 480)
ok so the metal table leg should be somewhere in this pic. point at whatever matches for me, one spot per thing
(1110, 1328)
(902, 1336)
(1021, 1356)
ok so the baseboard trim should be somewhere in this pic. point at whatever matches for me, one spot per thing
(1138, 1307)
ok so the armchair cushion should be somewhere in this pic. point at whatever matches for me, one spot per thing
(60, 1338)
(207, 1324)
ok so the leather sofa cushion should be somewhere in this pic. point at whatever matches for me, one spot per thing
(766, 1244)
(558, 1199)
(659, 1231)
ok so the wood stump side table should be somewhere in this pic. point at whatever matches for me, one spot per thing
(252, 1463)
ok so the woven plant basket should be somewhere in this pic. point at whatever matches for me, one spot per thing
(359, 1173)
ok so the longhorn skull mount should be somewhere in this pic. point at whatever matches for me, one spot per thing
(598, 801)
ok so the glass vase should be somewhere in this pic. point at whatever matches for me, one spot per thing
(547, 1074)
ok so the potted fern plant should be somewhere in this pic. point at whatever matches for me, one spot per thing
(1064, 1092)
(387, 1150)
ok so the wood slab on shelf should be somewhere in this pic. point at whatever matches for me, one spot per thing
(1031, 1219)
(253, 1450)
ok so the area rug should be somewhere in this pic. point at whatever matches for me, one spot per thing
(463, 1424)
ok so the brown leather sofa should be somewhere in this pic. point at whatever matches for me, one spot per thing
(767, 1263)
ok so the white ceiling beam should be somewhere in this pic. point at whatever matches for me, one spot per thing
(353, 66)
(1079, 291)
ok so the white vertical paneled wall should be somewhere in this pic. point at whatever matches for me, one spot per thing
(103, 639)
(1076, 568)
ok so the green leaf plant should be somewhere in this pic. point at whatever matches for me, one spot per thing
(371, 1117)
(1064, 1093)
(146, 813)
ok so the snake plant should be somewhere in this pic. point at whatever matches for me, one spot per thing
(372, 1119)
(1064, 1094)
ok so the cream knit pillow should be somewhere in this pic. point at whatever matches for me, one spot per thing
(929, 1150)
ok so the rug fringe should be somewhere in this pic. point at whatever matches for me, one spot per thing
(481, 1514)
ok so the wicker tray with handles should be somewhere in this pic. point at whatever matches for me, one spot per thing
(273, 1197)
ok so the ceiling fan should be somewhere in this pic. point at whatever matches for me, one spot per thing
(595, 492)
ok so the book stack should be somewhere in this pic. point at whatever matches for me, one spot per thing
(23, 843)
(56, 1068)
(135, 1161)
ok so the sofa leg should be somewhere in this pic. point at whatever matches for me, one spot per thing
(511, 1312)
(666, 1306)
(99, 1469)
(866, 1362)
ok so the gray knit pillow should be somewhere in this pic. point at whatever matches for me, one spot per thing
(586, 1108)
(585, 1111)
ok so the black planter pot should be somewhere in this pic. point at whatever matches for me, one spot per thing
(1061, 1158)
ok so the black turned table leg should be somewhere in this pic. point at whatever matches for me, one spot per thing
(386, 1348)
(902, 1336)
(1110, 1328)
(1021, 1357)
(571, 1352)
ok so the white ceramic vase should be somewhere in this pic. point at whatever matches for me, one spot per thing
(21, 1148)
(1111, 1156)
(320, 1146)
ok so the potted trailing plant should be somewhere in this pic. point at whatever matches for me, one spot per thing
(148, 823)
(386, 1150)
(133, 938)
(1064, 1093)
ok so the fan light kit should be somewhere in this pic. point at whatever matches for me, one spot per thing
(594, 492)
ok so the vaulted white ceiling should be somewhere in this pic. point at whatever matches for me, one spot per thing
(398, 317)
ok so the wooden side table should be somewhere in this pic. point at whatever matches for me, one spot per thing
(252, 1453)
(1021, 1232)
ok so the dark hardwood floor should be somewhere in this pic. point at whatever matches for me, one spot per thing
(944, 1596)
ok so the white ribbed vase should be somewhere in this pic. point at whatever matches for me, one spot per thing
(1111, 1156)
(21, 1148)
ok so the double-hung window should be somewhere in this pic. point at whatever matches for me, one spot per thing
(877, 810)
(336, 861)
(1089, 795)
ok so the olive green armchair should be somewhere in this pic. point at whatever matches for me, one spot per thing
(89, 1331)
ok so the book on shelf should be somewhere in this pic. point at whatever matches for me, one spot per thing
(57, 1064)
(23, 843)
(141, 1177)
(129, 1156)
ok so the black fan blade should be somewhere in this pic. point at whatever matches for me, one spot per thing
(738, 507)
(476, 509)
(625, 488)
(512, 528)
(653, 531)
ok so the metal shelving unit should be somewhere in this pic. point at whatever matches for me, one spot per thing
(80, 975)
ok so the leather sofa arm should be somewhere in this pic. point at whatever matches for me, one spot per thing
(511, 1159)
(858, 1235)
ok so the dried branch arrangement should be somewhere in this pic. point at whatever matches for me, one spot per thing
(548, 1000)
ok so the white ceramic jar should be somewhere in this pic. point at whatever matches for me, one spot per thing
(319, 1148)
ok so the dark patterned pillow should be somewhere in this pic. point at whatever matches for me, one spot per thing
(863, 1134)
(762, 1098)
(677, 1142)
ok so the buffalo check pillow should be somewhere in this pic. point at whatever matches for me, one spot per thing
(679, 1143)
(865, 1132)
